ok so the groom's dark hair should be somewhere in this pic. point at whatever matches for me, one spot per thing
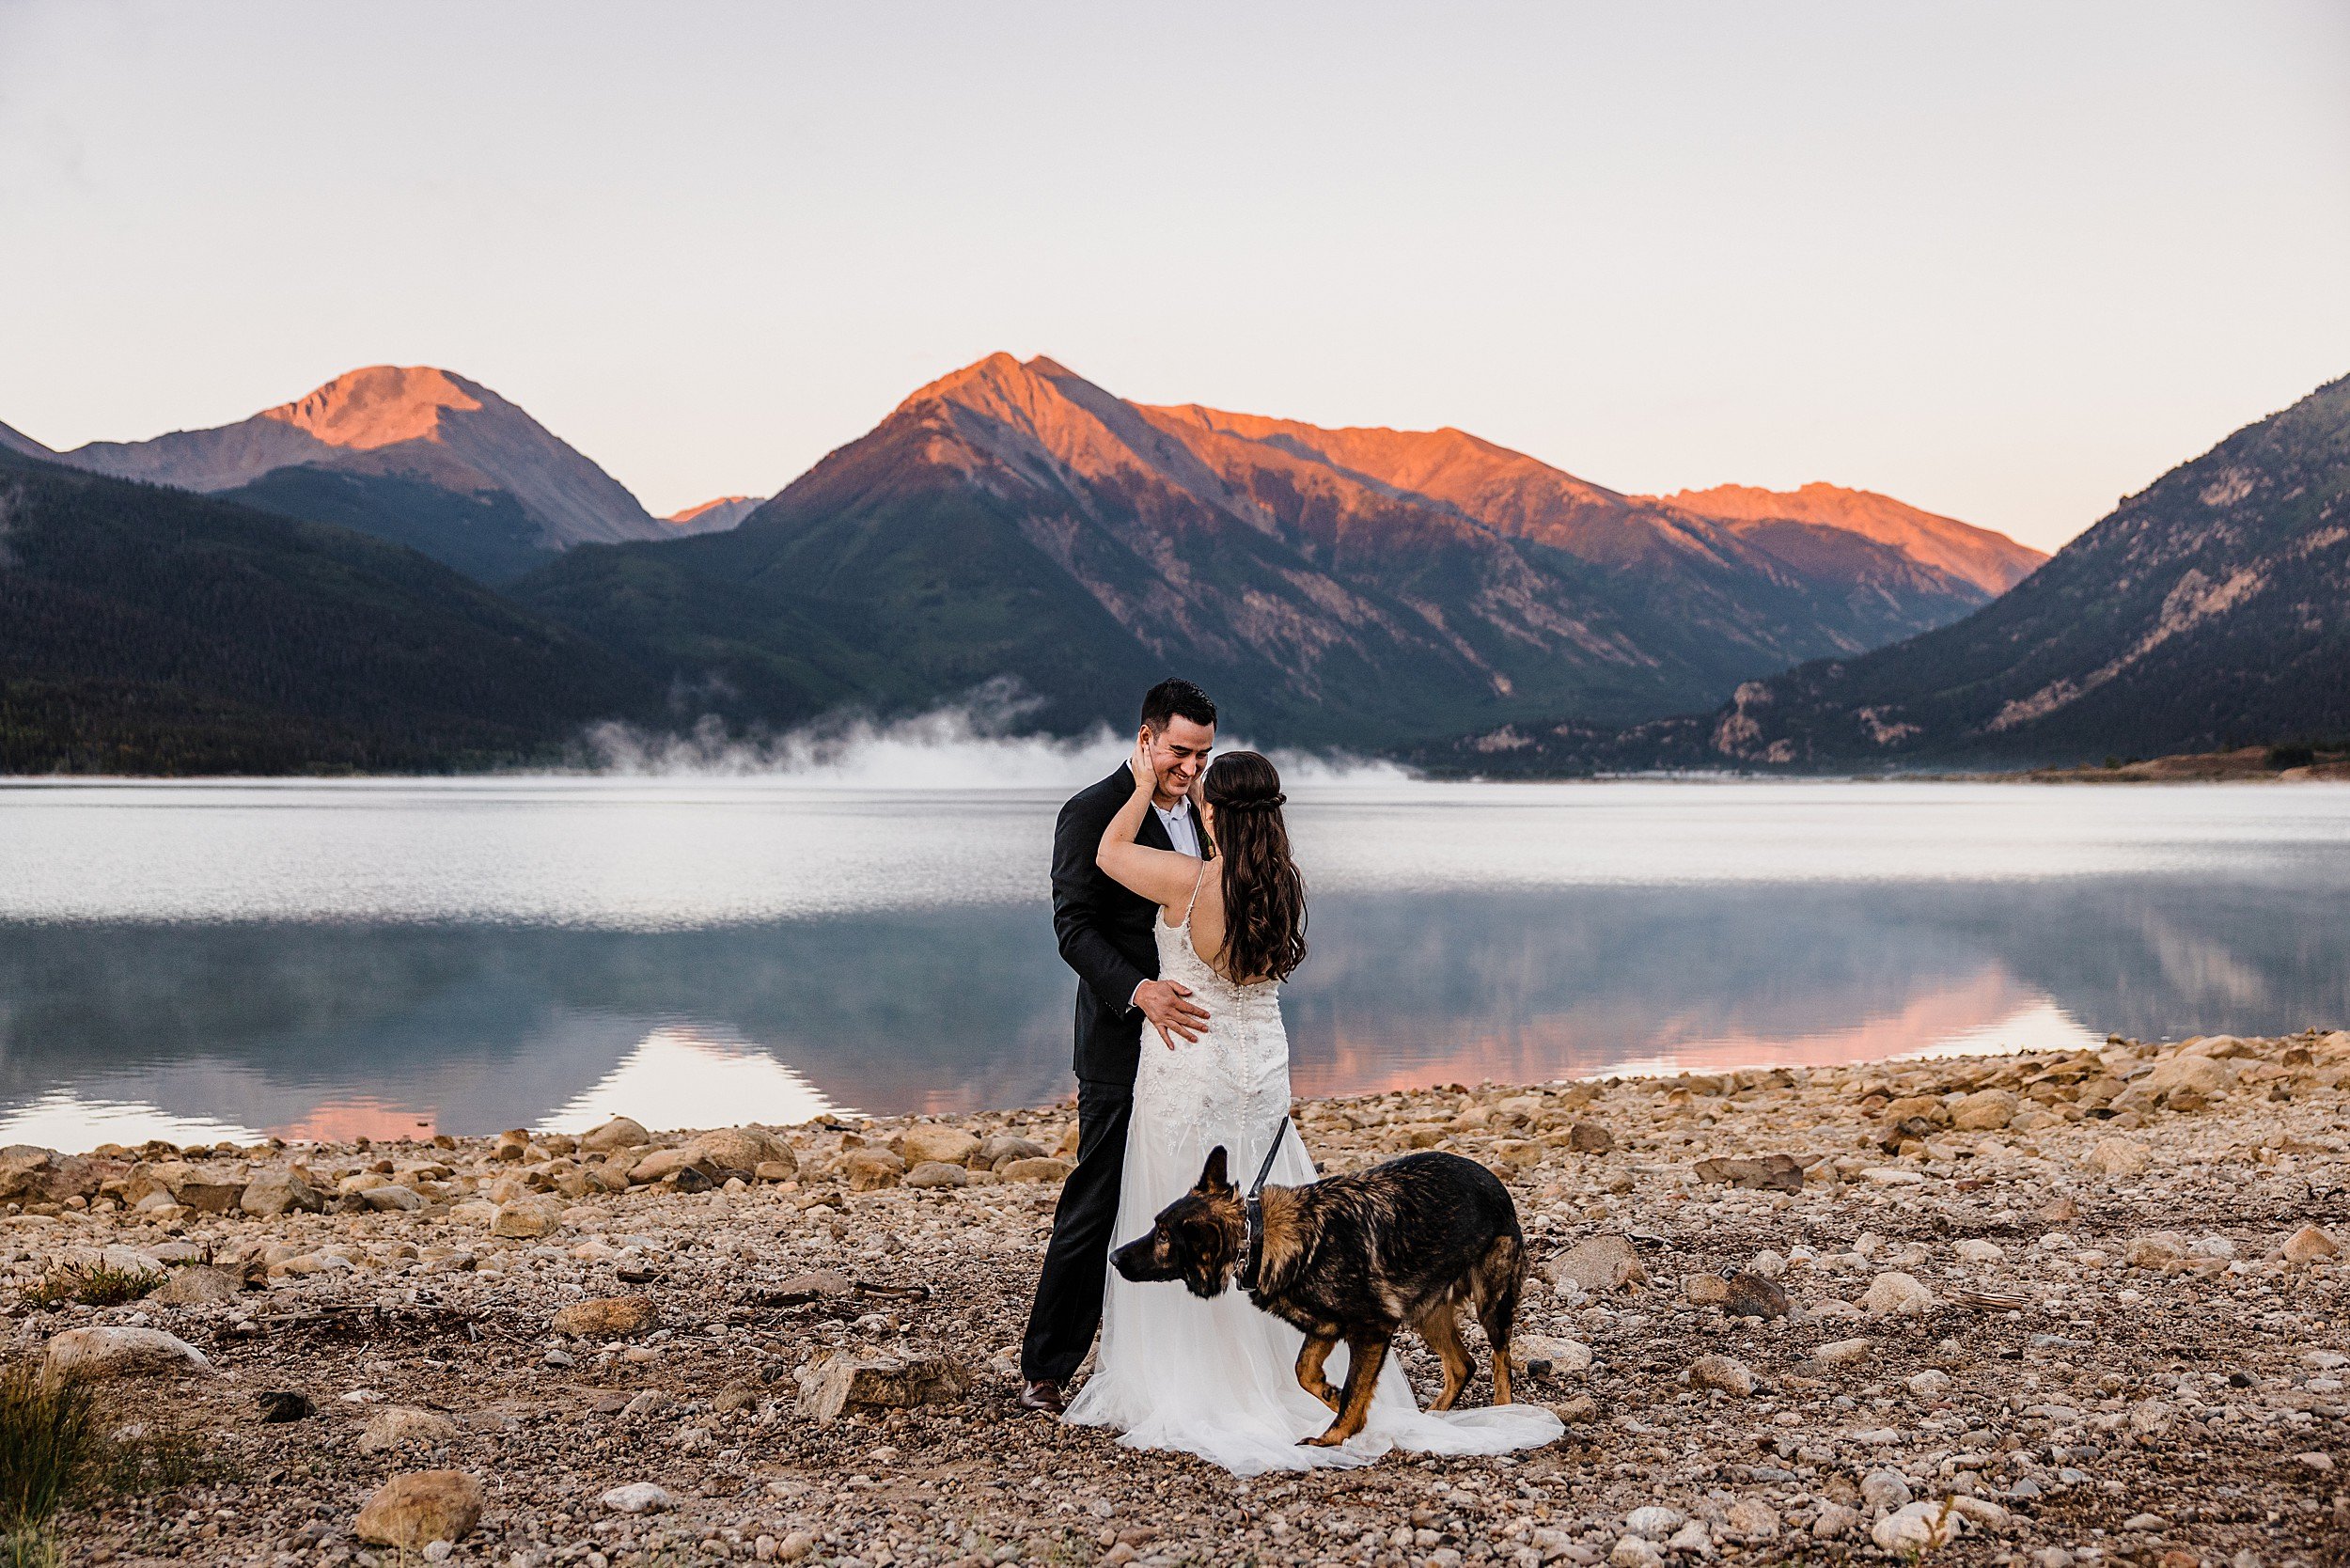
(1173, 699)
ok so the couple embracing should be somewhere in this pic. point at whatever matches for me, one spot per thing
(1176, 901)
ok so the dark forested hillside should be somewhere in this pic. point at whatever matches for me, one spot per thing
(145, 630)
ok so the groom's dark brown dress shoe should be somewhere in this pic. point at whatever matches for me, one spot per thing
(1040, 1393)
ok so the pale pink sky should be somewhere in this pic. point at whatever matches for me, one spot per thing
(2006, 261)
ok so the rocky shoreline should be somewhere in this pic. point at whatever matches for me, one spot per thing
(2040, 1310)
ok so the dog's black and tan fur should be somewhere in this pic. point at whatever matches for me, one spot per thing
(1358, 1258)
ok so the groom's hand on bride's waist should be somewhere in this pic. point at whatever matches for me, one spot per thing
(1170, 1010)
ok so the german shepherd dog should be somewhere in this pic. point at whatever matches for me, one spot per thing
(1355, 1257)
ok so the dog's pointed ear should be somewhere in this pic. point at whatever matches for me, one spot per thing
(1212, 1175)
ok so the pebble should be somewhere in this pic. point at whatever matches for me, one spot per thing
(1634, 1551)
(1755, 1295)
(421, 1506)
(1723, 1373)
(1839, 1352)
(638, 1497)
(1653, 1521)
(1917, 1526)
(1599, 1266)
(606, 1317)
(395, 1424)
(1884, 1489)
(1751, 1519)
(2308, 1244)
(2119, 1157)
(1562, 1355)
(1834, 1521)
(1898, 1295)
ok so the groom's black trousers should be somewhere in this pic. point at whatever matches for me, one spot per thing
(1068, 1309)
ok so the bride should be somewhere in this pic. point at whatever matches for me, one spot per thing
(1218, 1377)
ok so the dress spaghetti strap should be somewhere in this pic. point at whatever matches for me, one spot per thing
(1193, 902)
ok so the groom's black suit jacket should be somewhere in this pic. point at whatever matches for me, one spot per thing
(1105, 930)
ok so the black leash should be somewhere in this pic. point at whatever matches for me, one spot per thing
(1253, 1207)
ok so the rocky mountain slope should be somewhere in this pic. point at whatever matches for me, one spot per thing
(147, 629)
(714, 516)
(2206, 612)
(1991, 562)
(1354, 586)
(405, 452)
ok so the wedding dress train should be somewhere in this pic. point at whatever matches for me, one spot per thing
(1218, 1378)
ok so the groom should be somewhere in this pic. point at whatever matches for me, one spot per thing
(1105, 934)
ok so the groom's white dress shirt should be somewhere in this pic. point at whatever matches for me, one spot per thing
(1182, 831)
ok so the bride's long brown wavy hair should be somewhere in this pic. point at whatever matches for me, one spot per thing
(1264, 898)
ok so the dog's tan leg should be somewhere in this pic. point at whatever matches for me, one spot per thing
(1365, 1354)
(1441, 1328)
(1501, 1374)
(1310, 1357)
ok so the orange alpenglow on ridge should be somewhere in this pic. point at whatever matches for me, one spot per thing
(379, 406)
(1991, 562)
(714, 516)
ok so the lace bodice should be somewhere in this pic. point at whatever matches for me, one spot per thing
(1235, 1077)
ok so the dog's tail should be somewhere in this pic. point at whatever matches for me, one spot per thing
(1495, 1283)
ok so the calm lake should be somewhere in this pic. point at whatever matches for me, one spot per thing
(389, 958)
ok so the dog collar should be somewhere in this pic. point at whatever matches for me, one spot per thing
(1254, 1208)
(1252, 1211)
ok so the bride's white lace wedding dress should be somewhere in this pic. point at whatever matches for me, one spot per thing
(1218, 1378)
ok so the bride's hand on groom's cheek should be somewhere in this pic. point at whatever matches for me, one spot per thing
(1146, 771)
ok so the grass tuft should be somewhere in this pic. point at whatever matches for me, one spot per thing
(31, 1547)
(93, 1285)
(50, 1441)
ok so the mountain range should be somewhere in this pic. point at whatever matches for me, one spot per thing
(1359, 587)
(2204, 612)
(1427, 593)
(408, 453)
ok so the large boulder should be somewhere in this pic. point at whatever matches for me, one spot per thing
(272, 1193)
(1985, 1110)
(414, 1510)
(869, 1168)
(926, 1142)
(1002, 1147)
(525, 1218)
(29, 1175)
(111, 1351)
(210, 1189)
(738, 1151)
(849, 1380)
(620, 1132)
(2187, 1081)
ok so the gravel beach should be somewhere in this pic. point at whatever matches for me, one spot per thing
(2045, 1309)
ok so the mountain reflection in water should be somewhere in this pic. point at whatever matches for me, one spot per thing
(119, 1030)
